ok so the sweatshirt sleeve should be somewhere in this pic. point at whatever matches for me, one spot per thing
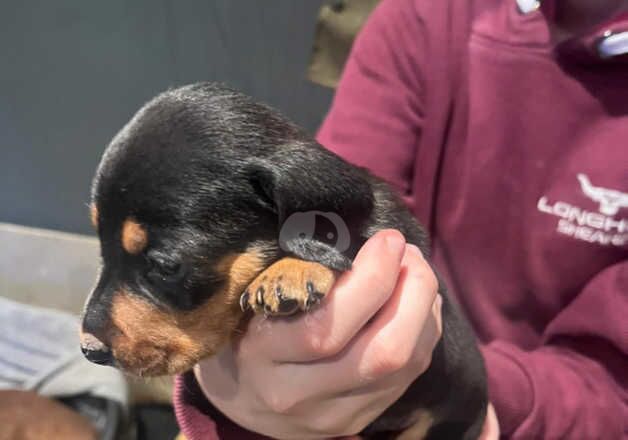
(376, 117)
(575, 384)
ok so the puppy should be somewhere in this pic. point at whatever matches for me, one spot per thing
(208, 206)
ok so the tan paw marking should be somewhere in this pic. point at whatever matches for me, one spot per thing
(287, 286)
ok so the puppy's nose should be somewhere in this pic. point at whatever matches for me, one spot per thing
(95, 351)
(100, 357)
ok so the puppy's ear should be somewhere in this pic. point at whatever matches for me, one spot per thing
(319, 200)
(262, 182)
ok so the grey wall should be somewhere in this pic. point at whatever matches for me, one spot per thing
(72, 72)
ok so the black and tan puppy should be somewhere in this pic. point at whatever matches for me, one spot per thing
(209, 205)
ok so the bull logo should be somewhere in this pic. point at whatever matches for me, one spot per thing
(610, 200)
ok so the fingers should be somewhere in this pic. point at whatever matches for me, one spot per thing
(406, 332)
(401, 336)
(354, 299)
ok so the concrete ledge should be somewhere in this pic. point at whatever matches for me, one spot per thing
(47, 268)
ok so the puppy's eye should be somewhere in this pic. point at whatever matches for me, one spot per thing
(164, 271)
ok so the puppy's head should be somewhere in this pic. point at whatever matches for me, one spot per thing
(184, 226)
(188, 201)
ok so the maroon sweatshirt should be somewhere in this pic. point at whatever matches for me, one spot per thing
(514, 153)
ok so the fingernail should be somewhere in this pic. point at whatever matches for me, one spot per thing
(394, 240)
(414, 249)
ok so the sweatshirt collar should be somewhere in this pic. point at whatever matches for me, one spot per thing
(607, 43)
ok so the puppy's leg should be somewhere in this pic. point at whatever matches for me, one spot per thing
(287, 286)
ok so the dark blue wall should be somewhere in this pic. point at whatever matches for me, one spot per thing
(72, 72)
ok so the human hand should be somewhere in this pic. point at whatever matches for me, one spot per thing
(335, 369)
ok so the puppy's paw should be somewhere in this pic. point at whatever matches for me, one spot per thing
(287, 286)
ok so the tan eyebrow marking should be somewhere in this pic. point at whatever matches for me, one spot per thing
(134, 237)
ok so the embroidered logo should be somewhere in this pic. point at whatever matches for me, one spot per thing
(610, 200)
(594, 227)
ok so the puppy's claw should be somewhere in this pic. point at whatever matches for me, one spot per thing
(244, 301)
(259, 296)
(313, 299)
